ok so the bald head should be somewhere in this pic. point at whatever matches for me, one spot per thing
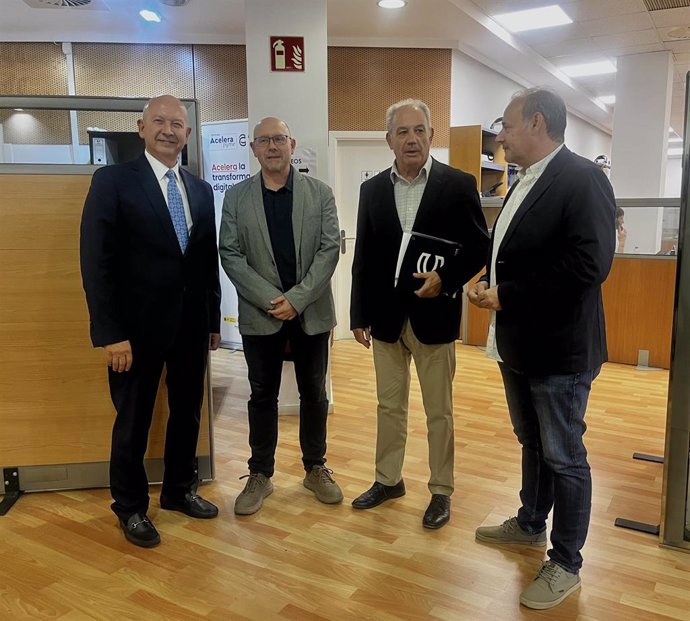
(165, 128)
(270, 123)
(273, 147)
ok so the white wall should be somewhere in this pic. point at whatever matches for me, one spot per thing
(479, 95)
(674, 172)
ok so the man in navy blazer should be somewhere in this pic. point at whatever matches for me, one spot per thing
(417, 194)
(551, 249)
(150, 272)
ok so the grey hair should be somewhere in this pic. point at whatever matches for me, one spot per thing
(549, 104)
(414, 103)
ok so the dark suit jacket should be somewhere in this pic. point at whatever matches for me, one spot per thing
(557, 251)
(136, 279)
(449, 209)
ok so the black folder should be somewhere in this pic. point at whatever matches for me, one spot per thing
(423, 253)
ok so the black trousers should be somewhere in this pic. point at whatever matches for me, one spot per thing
(134, 394)
(264, 356)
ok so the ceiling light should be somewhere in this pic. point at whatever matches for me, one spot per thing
(598, 68)
(392, 4)
(678, 151)
(150, 16)
(607, 99)
(532, 19)
(679, 139)
(19, 109)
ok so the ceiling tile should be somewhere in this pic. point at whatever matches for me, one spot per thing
(620, 23)
(583, 10)
(671, 17)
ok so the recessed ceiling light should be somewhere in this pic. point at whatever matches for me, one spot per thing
(607, 99)
(678, 139)
(150, 16)
(678, 151)
(598, 68)
(19, 109)
(392, 4)
(533, 19)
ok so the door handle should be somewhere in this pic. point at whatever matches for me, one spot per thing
(343, 243)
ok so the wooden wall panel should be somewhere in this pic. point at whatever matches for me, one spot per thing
(220, 81)
(55, 406)
(638, 303)
(33, 69)
(363, 82)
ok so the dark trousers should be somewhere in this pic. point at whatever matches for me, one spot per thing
(547, 413)
(134, 394)
(264, 355)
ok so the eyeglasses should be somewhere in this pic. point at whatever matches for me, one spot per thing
(279, 140)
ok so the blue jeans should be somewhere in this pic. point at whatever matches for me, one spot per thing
(547, 413)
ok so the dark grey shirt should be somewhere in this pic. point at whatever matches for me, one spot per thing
(278, 209)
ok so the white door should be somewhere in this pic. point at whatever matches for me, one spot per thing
(354, 157)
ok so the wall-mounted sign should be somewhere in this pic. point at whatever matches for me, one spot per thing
(287, 53)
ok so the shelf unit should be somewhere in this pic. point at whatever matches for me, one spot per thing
(469, 147)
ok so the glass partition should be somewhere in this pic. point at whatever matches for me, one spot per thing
(675, 524)
(77, 131)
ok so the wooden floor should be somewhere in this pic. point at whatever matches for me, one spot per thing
(62, 557)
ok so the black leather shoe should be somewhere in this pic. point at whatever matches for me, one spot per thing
(438, 512)
(377, 494)
(192, 505)
(140, 531)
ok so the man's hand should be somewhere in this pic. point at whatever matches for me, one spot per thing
(489, 299)
(282, 309)
(432, 284)
(213, 341)
(119, 356)
(476, 290)
(362, 336)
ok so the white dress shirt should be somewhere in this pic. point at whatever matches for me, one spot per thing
(160, 169)
(408, 194)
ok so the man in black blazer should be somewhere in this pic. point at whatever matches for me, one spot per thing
(551, 249)
(417, 194)
(150, 272)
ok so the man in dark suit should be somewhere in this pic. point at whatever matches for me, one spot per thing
(417, 194)
(551, 249)
(150, 272)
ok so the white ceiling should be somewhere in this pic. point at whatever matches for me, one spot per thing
(600, 29)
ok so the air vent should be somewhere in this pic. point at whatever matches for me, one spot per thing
(97, 5)
(662, 5)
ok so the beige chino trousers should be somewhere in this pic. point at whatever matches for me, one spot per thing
(435, 369)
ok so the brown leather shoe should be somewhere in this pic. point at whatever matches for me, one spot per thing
(191, 505)
(438, 512)
(377, 494)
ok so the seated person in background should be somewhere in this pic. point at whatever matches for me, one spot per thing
(621, 232)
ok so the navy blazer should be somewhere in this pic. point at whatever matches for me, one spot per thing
(554, 256)
(449, 209)
(136, 278)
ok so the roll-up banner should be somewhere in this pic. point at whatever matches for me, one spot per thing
(225, 151)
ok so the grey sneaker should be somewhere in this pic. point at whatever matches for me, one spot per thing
(550, 587)
(509, 532)
(258, 487)
(320, 481)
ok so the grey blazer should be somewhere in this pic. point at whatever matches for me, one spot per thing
(247, 255)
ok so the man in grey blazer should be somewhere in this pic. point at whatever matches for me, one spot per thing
(279, 246)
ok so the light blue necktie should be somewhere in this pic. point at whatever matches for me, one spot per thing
(176, 208)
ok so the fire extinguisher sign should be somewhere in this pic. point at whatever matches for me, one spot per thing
(287, 53)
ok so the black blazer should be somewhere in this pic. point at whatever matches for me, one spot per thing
(449, 209)
(136, 279)
(557, 251)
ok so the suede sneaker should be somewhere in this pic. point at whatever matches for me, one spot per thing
(550, 587)
(509, 532)
(320, 481)
(258, 487)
